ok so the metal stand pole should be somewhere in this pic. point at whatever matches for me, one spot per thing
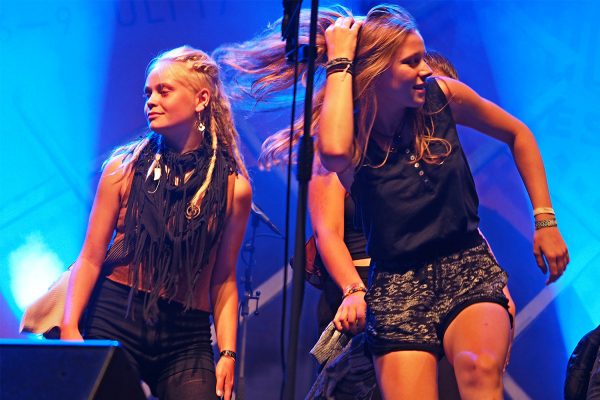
(249, 295)
(305, 159)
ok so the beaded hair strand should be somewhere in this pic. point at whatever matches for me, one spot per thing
(198, 70)
(194, 207)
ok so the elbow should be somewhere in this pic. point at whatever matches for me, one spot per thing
(522, 140)
(88, 263)
(335, 159)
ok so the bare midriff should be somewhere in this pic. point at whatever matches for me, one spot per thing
(201, 297)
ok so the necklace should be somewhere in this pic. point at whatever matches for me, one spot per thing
(392, 146)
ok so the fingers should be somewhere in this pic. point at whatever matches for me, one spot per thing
(341, 38)
(341, 319)
(351, 320)
(361, 320)
(345, 22)
(342, 322)
(342, 22)
(358, 325)
(219, 389)
(71, 335)
(555, 270)
(539, 259)
(356, 26)
(228, 387)
(348, 23)
(551, 252)
(557, 259)
(224, 374)
(360, 317)
(558, 265)
(340, 316)
(351, 315)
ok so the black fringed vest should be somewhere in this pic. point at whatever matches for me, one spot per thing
(166, 252)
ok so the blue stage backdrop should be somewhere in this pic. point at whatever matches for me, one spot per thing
(72, 75)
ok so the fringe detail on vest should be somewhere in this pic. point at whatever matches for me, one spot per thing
(168, 251)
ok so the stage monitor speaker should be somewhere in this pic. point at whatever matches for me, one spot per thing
(55, 369)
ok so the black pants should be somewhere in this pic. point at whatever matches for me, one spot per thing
(174, 356)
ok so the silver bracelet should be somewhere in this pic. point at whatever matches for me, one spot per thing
(545, 223)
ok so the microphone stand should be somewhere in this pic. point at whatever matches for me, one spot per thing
(249, 295)
(305, 158)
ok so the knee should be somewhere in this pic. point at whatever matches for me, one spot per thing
(474, 369)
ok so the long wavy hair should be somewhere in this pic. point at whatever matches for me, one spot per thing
(197, 70)
(260, 70)
(440, 64)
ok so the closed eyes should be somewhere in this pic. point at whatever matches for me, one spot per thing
(161, 89)
(413, 61)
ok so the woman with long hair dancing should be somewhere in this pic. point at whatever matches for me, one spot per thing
(389, 133)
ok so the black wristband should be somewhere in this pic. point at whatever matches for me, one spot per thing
(338, 60)
(342, 67)
(228, 353)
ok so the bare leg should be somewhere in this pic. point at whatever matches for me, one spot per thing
(476, 343)
(407, 375)
(512, 310)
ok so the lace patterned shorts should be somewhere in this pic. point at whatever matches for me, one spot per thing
(410, 308)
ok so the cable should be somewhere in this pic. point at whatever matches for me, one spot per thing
(287, 211)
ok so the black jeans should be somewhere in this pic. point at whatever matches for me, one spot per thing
(174, 356)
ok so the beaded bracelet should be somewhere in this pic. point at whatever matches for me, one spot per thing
(338, 60)
(353, 288)
(543, 210)
(345, 68)
(545, 223)
(340, 64)
(228, 353)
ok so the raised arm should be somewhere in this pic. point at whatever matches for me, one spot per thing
(476, 112)
(85, 270)
(336, 131)
(326, 207)
(223, 291)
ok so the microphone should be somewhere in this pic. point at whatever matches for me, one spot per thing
(260, 214)
(289, 27)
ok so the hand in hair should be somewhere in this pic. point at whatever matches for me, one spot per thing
(341, 38)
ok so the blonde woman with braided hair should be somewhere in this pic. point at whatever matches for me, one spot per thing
(390, 134)
(175, 204)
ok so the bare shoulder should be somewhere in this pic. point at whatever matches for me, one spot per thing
(114, 169)
(115, 176)
(455, 91)
(242, 192)
(467, 105)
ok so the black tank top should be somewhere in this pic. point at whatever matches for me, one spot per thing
(353, 236)
(412, 211)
